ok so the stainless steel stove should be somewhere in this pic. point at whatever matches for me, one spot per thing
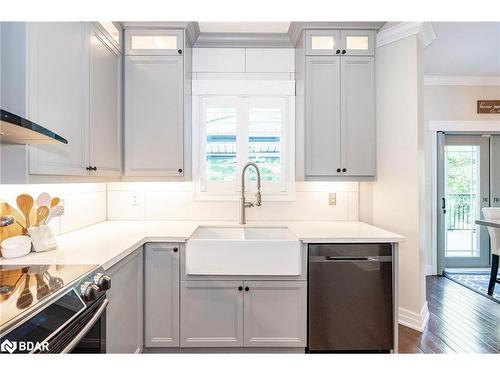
(53, 308)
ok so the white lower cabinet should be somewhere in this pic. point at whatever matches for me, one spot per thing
(211, 313)
(161, 299)
(124, 314)
(243, 313)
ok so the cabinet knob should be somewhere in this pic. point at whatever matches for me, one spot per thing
(179, 170)
(94, 168)
(247, 289)
(175, 249)
(344, 170)
(338, 170)
(343, 52)
(338, 51)
(240, 288)
(179, 51)
(89, 168)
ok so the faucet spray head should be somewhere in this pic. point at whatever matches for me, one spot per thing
(258, 199)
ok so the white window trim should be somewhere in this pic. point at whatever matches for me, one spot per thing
(243, 88)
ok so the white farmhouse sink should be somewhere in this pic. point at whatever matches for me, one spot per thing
(272, 251)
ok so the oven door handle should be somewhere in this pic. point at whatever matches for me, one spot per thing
(87, 327)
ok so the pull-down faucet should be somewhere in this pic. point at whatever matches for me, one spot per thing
(243, 202)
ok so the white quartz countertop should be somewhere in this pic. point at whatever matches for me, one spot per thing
(108, 242)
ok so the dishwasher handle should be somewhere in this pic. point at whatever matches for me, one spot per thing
(375, 258)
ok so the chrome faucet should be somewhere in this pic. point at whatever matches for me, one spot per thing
(258, 199)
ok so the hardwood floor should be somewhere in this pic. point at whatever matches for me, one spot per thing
(461, 321)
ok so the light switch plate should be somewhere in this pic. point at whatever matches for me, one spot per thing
(332, 199)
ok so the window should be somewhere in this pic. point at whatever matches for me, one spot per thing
(153, 42)
(232, 130)
(322, 42)
(357, 42)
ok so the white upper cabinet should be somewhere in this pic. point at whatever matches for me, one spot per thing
(358, 42)
(340, 42)
(56, 90)
(323, 42)
(154, 96)
(104, 101)
(154, 42)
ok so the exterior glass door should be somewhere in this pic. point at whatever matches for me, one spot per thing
(464, 190)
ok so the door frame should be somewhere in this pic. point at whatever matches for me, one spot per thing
(435, 127)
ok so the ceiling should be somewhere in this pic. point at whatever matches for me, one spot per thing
(244, 27)
(464, 49)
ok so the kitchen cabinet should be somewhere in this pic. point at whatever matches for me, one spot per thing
(66, 77)
(124, 315)
(154, 42)
(275, 313)
(339, 101)
(234, 313)
(105, 99)
(161, 295)
(340, 42)
(211, 313)
(154, 97)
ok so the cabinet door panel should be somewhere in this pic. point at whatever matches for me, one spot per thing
(161, 310)
(358, 42)
(322, 127)
(124, 315)
(211, 313)
(154, 115)
(358, 116)
(105, 98)
(275, 313)
(322, 42)
(57, 95)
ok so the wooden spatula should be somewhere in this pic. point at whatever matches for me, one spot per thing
(41, 215)
(55, 201)
(25, 204)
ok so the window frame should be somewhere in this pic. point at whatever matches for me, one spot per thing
(243, 100)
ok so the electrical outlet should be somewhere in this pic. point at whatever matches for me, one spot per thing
(332, 199)
(135, 200)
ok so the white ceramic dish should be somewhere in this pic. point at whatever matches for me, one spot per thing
(16, 246)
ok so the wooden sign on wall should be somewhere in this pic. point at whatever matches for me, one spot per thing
(488, 106)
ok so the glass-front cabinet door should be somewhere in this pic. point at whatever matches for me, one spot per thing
(323, 42)
(358, 42)
(154, 42)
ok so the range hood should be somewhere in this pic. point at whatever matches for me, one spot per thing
(18, 130)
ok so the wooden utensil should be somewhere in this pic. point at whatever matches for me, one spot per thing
(42, 213)
(43, 200)
(7, 209)
(15, 229)
(25, 299)
(25, 204)
(55, 201)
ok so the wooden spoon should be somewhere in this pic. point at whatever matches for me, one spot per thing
(25, 204)
(42, 213)
(7, 209)
(55, 201)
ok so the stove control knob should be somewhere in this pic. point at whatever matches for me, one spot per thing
(102, 281)
(89, 291)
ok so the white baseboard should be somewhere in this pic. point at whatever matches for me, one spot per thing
(416, 321)
(428, 270)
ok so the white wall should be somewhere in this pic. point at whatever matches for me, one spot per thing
(398, 193)
(174, 201)
(84, 204)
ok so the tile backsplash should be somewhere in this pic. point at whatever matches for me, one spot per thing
(84, 203)
(90, 203)
(174, 201)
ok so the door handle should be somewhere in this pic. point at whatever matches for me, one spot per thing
(443, 205)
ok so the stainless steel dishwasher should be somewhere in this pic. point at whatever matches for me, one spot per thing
(350, 298)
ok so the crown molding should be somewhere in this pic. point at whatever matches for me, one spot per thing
(243, 40)
(423, 30)
(441, 80)
(296, 28)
